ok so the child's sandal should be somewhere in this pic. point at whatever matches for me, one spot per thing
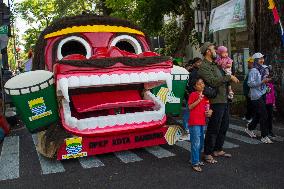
(197, 168)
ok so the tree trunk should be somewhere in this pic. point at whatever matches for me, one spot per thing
(267, 33)
(188, 25)
(183, 39)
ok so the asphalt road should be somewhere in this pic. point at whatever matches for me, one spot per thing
(252, 166)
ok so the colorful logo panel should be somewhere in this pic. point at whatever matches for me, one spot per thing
(74, 148)
(38, 108)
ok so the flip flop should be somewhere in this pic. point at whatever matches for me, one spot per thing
(222, 154)
(209, 159)
(197, 168)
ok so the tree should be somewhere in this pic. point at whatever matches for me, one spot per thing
(74, 7)
(150, 16)
(38, 14)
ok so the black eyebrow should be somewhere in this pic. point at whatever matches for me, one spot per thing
(108, 62)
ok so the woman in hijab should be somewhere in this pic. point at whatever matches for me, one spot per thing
(257, 80)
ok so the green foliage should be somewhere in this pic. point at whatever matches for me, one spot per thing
(11, 55)
(36, 11)
(38, 14)
(169, 32)
(30, 37)
(74, 7)
(148, 14)
(122, 9)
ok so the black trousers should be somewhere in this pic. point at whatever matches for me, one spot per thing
(260, 116)
(249, 112)
(269, 109)
(217, 127)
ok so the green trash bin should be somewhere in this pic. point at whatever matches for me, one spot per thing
(34, 96)
(174, 98)
(179, 61)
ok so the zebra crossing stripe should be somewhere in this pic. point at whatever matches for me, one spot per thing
(237, 128)
(228, 145)
(277, 138)
(184, 144)
(159, 152)
(90, 162)
(9, 159)
(48, 166)
(242, 138)
(127, 156)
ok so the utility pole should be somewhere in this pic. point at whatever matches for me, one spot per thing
(5, 32)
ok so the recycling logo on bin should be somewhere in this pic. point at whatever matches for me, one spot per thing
(38, 108)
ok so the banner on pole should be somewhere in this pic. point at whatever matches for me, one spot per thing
(228, 15)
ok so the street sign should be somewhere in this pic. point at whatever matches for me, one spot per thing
(4, 29)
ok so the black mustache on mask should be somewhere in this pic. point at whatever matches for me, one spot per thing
(108, 62)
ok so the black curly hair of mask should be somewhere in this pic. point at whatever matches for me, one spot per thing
(80, 20)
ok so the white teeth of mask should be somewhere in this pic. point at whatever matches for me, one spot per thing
(95, 80)
(115, 79)
(120, 119)
(169, 81)
(84, 81)
(73, 81)
(63, 83)
(105, 79)
(134, 78)
(149, 79)
(144, 77)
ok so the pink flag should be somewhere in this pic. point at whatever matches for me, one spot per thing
(275, 15)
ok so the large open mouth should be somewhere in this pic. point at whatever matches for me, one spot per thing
(94, 104)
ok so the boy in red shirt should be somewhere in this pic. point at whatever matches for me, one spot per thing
(199, 110)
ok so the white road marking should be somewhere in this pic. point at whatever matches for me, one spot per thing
(242, 138)
(184, 144)
(127, 156)
(228, 145)
(277, 138)
(48, 166)
(159, 152)
(9, 159)
(90, 162)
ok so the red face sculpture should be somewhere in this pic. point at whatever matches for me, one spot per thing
(104, 71)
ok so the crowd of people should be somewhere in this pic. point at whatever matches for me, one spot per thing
(208, 97)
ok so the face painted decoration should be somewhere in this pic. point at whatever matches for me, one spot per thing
(103, 70)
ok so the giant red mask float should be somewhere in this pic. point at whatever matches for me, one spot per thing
(103, 72)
